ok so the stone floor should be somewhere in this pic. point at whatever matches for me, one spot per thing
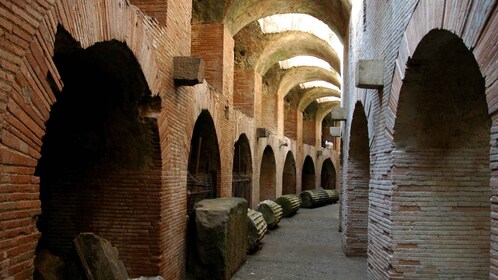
(306, 246)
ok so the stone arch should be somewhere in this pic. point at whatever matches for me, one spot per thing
(242, 169)
(356, 187)
(267, 178)
(100, 157)
(441, 139)
(308, 174)
(297, 75)
(312, 94)
(289, 175)
(328, 175)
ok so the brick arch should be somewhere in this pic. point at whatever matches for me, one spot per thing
(328, 175)
(356, 186)
(297, 75)
(475, 24)
(242, 169)
(289, 174)
(267, 178)
(442, 143)
(293, 43)
(32, 78)
(308, 174)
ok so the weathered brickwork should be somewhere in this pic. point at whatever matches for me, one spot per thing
(399, 213)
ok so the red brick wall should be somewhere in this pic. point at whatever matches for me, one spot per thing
(309, 132)
(244, 90)
(290, 121)
(154, 8)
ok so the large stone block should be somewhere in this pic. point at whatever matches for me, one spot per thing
(335, 131)
(188, 70)
(221, 237)
(338, 114)
(370, 74)
(99, 258)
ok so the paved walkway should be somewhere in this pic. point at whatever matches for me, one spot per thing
(305, 246)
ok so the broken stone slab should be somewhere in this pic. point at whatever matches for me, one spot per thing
(221, 237)
(99, 258)
(48, 266)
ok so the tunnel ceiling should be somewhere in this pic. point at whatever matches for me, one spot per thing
(254, 49)
(262, 52)
(236, 14)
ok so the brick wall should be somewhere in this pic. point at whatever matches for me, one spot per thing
(290, 121)
(154, 8)
(244, 90)
(309, 131)
(267, 179)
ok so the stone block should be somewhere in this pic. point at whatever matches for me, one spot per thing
(221, 237)
(188, 70)
(338, 114)
(335, 131)
(99, 258)
(262, 132)
(370, 74)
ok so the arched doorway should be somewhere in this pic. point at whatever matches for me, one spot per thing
(328, 175)
(355, 195)
(267, 178)
(100, 165)
(289, 175)
(441, 163)
(242, 169)
(203, 176)
(308, 175)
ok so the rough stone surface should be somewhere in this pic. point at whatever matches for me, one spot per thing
(48, 266)
(99, 258)
(188, 70)
(290, 204)
(221, 237)
(370, 74)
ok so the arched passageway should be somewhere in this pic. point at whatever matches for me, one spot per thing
(242, 169)
(355, 196)
(328, 177)
(100, 164)
(267, 178)
(308, 175)
(441, 164)
(203, 176)
(289, 175)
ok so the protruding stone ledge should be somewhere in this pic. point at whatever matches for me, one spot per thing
(370, 74)
(188, 70)
(338, 114)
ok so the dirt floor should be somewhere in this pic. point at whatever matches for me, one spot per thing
(305, 246)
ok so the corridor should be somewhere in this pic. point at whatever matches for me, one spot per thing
(305, 246)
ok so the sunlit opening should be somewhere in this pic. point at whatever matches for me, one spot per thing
(328, 99)
(305, 60)
(323, 84)
(301, 22)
